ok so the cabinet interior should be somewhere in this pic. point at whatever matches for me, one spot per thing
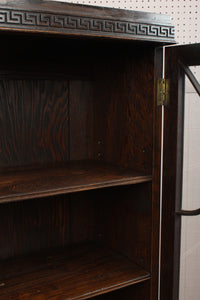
(75, 167)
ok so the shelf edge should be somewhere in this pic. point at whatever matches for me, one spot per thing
(68, 190)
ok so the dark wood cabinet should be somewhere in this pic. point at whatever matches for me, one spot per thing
(79, 151)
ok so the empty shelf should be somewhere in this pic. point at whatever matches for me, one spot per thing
(19, 184)
(80, 272)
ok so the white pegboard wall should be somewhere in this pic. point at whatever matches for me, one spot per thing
(185, 13)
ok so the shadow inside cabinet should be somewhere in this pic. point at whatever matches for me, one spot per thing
(48, 243)
(137, 292)
(75, 168)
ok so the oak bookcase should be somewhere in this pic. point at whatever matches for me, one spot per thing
(79, 151)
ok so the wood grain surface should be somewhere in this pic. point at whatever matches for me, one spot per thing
(32, 226)
(139, 291)
(120, 212)
(77, 138)
(124, 110)
(74, 176)
(108, 216)
(157, 123)
(81, 120)
(80, 272)
(49, 17)
(33, 122)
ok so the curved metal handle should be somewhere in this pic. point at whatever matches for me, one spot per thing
(195, 212)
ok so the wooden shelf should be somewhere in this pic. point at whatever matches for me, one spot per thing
(81, 272)
(19, 184)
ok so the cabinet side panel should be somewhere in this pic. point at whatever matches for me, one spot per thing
(33, 122)
(32, 226)
(126, 89)
(125, 222)
(157, 123)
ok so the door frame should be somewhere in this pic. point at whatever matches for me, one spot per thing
(173, 166)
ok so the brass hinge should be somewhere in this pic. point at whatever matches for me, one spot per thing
(163, 92)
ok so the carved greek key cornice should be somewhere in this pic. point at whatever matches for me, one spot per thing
(42, 20)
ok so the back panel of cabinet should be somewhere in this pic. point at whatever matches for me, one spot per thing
(101, 109)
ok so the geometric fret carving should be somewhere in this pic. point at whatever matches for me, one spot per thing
(79, 23)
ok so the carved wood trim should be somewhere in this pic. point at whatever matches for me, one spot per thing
(15, 18)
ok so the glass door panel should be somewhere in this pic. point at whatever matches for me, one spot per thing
(189, 285)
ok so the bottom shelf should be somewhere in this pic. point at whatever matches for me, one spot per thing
(80, 272)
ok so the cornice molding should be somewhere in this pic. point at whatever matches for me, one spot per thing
(15, 18)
